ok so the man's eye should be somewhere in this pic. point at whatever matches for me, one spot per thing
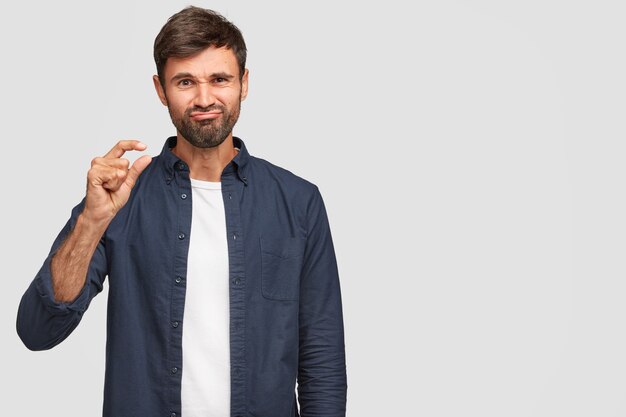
(185, 83)
(219, 80)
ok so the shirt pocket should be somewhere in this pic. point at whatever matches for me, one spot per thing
(281, 264)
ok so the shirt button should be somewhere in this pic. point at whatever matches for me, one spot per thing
(181, 236)
(175, 324)
(183, 196)
(230, 197)
(235, 236)
(173, 415)
(174, 370)
(237, 282)
(178, 280)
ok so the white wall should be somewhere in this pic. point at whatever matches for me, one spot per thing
(470, 155)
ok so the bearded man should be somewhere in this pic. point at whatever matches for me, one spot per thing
(224, 296)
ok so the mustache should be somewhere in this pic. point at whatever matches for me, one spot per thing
(213, 107)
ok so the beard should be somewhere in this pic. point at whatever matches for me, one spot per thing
(207, 133)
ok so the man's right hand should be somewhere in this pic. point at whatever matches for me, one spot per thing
(110, 181)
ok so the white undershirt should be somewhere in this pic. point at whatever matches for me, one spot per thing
(206, 333)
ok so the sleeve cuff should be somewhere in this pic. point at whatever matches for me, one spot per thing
(43, 283)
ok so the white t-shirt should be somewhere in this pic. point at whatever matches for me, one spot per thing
(206, 333)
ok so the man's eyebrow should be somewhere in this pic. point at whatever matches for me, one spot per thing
(222, 75)
(182, 75)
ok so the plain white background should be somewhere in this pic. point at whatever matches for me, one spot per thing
(470, 155)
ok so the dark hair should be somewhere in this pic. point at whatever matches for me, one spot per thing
(193, 29)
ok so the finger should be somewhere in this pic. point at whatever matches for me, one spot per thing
(106, 177)
(121, 163)
(125, 145)
(138, 166)
(100, 174)
(118, 178)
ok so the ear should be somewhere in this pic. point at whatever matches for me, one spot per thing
(159, 89)
(244, 85)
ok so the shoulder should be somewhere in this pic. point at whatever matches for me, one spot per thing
(280, 186)
(268, 172)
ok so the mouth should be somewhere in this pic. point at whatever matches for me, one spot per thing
(205, 115)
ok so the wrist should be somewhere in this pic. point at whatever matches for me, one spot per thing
(93, 225)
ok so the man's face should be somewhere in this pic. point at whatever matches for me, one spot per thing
(203, 94)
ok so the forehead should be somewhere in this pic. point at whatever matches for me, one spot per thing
(204, 63)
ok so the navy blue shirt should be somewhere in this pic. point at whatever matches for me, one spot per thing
(286, 322)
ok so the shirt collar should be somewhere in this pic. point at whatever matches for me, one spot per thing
(172, 163)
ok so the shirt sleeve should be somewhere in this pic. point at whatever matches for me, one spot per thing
(43, 322)
(322, 382)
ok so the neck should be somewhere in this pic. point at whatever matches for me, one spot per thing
(205, 164)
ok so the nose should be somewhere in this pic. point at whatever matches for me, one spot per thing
(204, 96)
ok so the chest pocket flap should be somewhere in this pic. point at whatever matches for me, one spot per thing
(281, 263)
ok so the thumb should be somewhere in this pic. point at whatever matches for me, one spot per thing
(138, 166)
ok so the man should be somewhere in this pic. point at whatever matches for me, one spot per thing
(223, 282)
